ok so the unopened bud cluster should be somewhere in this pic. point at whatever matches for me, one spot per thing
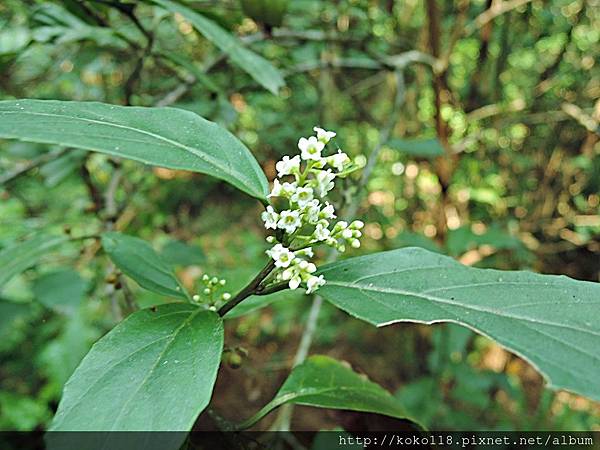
(210, 293)
(303, 182)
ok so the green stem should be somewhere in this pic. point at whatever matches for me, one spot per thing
(304, 174)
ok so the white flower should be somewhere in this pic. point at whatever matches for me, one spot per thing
(338, 160)
(341, 225)
(305, 209)
(347, 234)
(328, 212)
(295, 282)
(323, 135)
(302, 196)
(311, 148)
(324, 180)
(308, 252)
(289, 220)
(288, 166)
(288, 189)
(311, 211)
(292, 274)
(283, 190)
(321, 232)
(270, 218)
(276, 191)
(282, 256)
(314, 283)
(332, 242)
(357, 225)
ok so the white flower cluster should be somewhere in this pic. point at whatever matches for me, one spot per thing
(308, 217)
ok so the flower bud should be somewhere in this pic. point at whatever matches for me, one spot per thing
(347, 233)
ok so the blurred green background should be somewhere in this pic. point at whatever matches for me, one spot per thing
(486, 114)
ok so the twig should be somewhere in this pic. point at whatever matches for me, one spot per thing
(135, 75)
(30, 165)
(91, 187)
(268, 290)
(251, 288)
(126, 9)
(179, 91)
(498, 8)
(587, 121)
(457, 29)
(110, 204)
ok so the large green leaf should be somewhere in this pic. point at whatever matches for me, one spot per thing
(463, 239)
(155, 371)
(324, 382)
(61, 290)
(21, 256)
(548, 320)
(256, 66)
(166, 137)
(425, 148)
(180, 253)
(138, 260)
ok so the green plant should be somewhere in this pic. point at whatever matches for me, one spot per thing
(468, 130)
(170, 354)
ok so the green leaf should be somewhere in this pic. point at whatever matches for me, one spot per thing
(13, 39)
(10, 314)
(138, 260)
(61, 355)
(548, 320)
(23, 255)
(324, 382)
(62, 27)
(180, 253)
(154, 371)
(410, 239)
(166, 137)
(256, 66)
(61, 290)
(463, 239)
(425, 148)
